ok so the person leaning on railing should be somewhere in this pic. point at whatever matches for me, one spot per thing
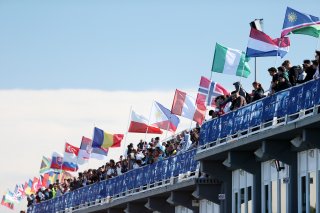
(317, 58)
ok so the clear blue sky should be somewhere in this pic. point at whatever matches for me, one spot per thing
(132, 45)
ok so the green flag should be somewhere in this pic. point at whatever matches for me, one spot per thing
(230, 61)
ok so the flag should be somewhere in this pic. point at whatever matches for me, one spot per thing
(99, 153)
(57, 161)
(262, 45)
(139, 124)
(45, 180)
(36, 185)
(7, 203)
(70, 157)
(162, 118)
(300, 23)
(185, 106)
(106, 140)
(230, 61)
(85, 150)
(45, 165)
(27, 189)
(208, 91)
(18, 192)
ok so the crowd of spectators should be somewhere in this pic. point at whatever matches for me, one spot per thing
(134, 157)
(282, 78)
(146, 153)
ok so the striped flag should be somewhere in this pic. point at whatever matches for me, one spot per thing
(185, 106)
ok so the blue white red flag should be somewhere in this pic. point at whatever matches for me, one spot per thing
(85, 150)
(262, 45)
(162, 118)
(208, 91)
(295, 20)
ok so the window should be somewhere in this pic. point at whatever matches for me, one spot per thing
(303, 195)
(312, 191)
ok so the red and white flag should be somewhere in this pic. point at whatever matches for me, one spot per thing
(139, 124)
(208, 91)
(185, 106)
(70, 158)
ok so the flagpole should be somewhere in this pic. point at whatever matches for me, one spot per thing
(255, 69)
(145, 135)
(126, 135)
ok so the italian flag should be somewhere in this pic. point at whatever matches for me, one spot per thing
(230, 61)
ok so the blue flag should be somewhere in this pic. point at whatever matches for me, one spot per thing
(300, 23)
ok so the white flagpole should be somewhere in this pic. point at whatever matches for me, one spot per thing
(145, 135)
(126, 135)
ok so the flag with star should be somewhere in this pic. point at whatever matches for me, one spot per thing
(162, 118)
(300, 23)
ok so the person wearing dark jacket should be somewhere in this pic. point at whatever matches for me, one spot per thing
(308, 68)
(258, 91)
(292, 71)
(282, 84)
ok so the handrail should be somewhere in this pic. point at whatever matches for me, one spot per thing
(280, 108)
(135, 180)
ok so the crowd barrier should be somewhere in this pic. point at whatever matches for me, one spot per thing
(132, 181)
(281, 108)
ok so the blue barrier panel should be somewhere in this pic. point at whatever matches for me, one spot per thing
(111, 187)
(256, 113)
(214, 128)
(139, 178)
(177, 165)
(317, 97)
(133, 177)
(194, 163)
(295, 100)
(158, 171)
(204, 133)
(182, 162)
(76, 199)
(282, 99)
(121, 183)
(269, 106)
(227, 124)
(241, 119)
(310, 90)
(165, 165)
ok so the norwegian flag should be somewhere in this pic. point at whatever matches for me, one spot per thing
(208, 91)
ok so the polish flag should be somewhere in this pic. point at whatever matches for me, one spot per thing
(139, 124)
(185, 106)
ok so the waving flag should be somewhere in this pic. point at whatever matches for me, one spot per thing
(99, 153)
(230, 61)
(27, 189)
(106, 140)
(208, 91)
(36, 185)
(85, 150)
(6, 201)
(45, 165)
(262, 45)
(300, 23)
(70, 158)
(139, 124)
(162, 118)
(185, 106)
(57, 161)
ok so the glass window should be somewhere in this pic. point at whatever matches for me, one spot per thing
(243, 203)
(236, 202)
(266, 197)
(313, 191)
(303, 194)
(283, 196)
(249, 199)
(274, 196)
